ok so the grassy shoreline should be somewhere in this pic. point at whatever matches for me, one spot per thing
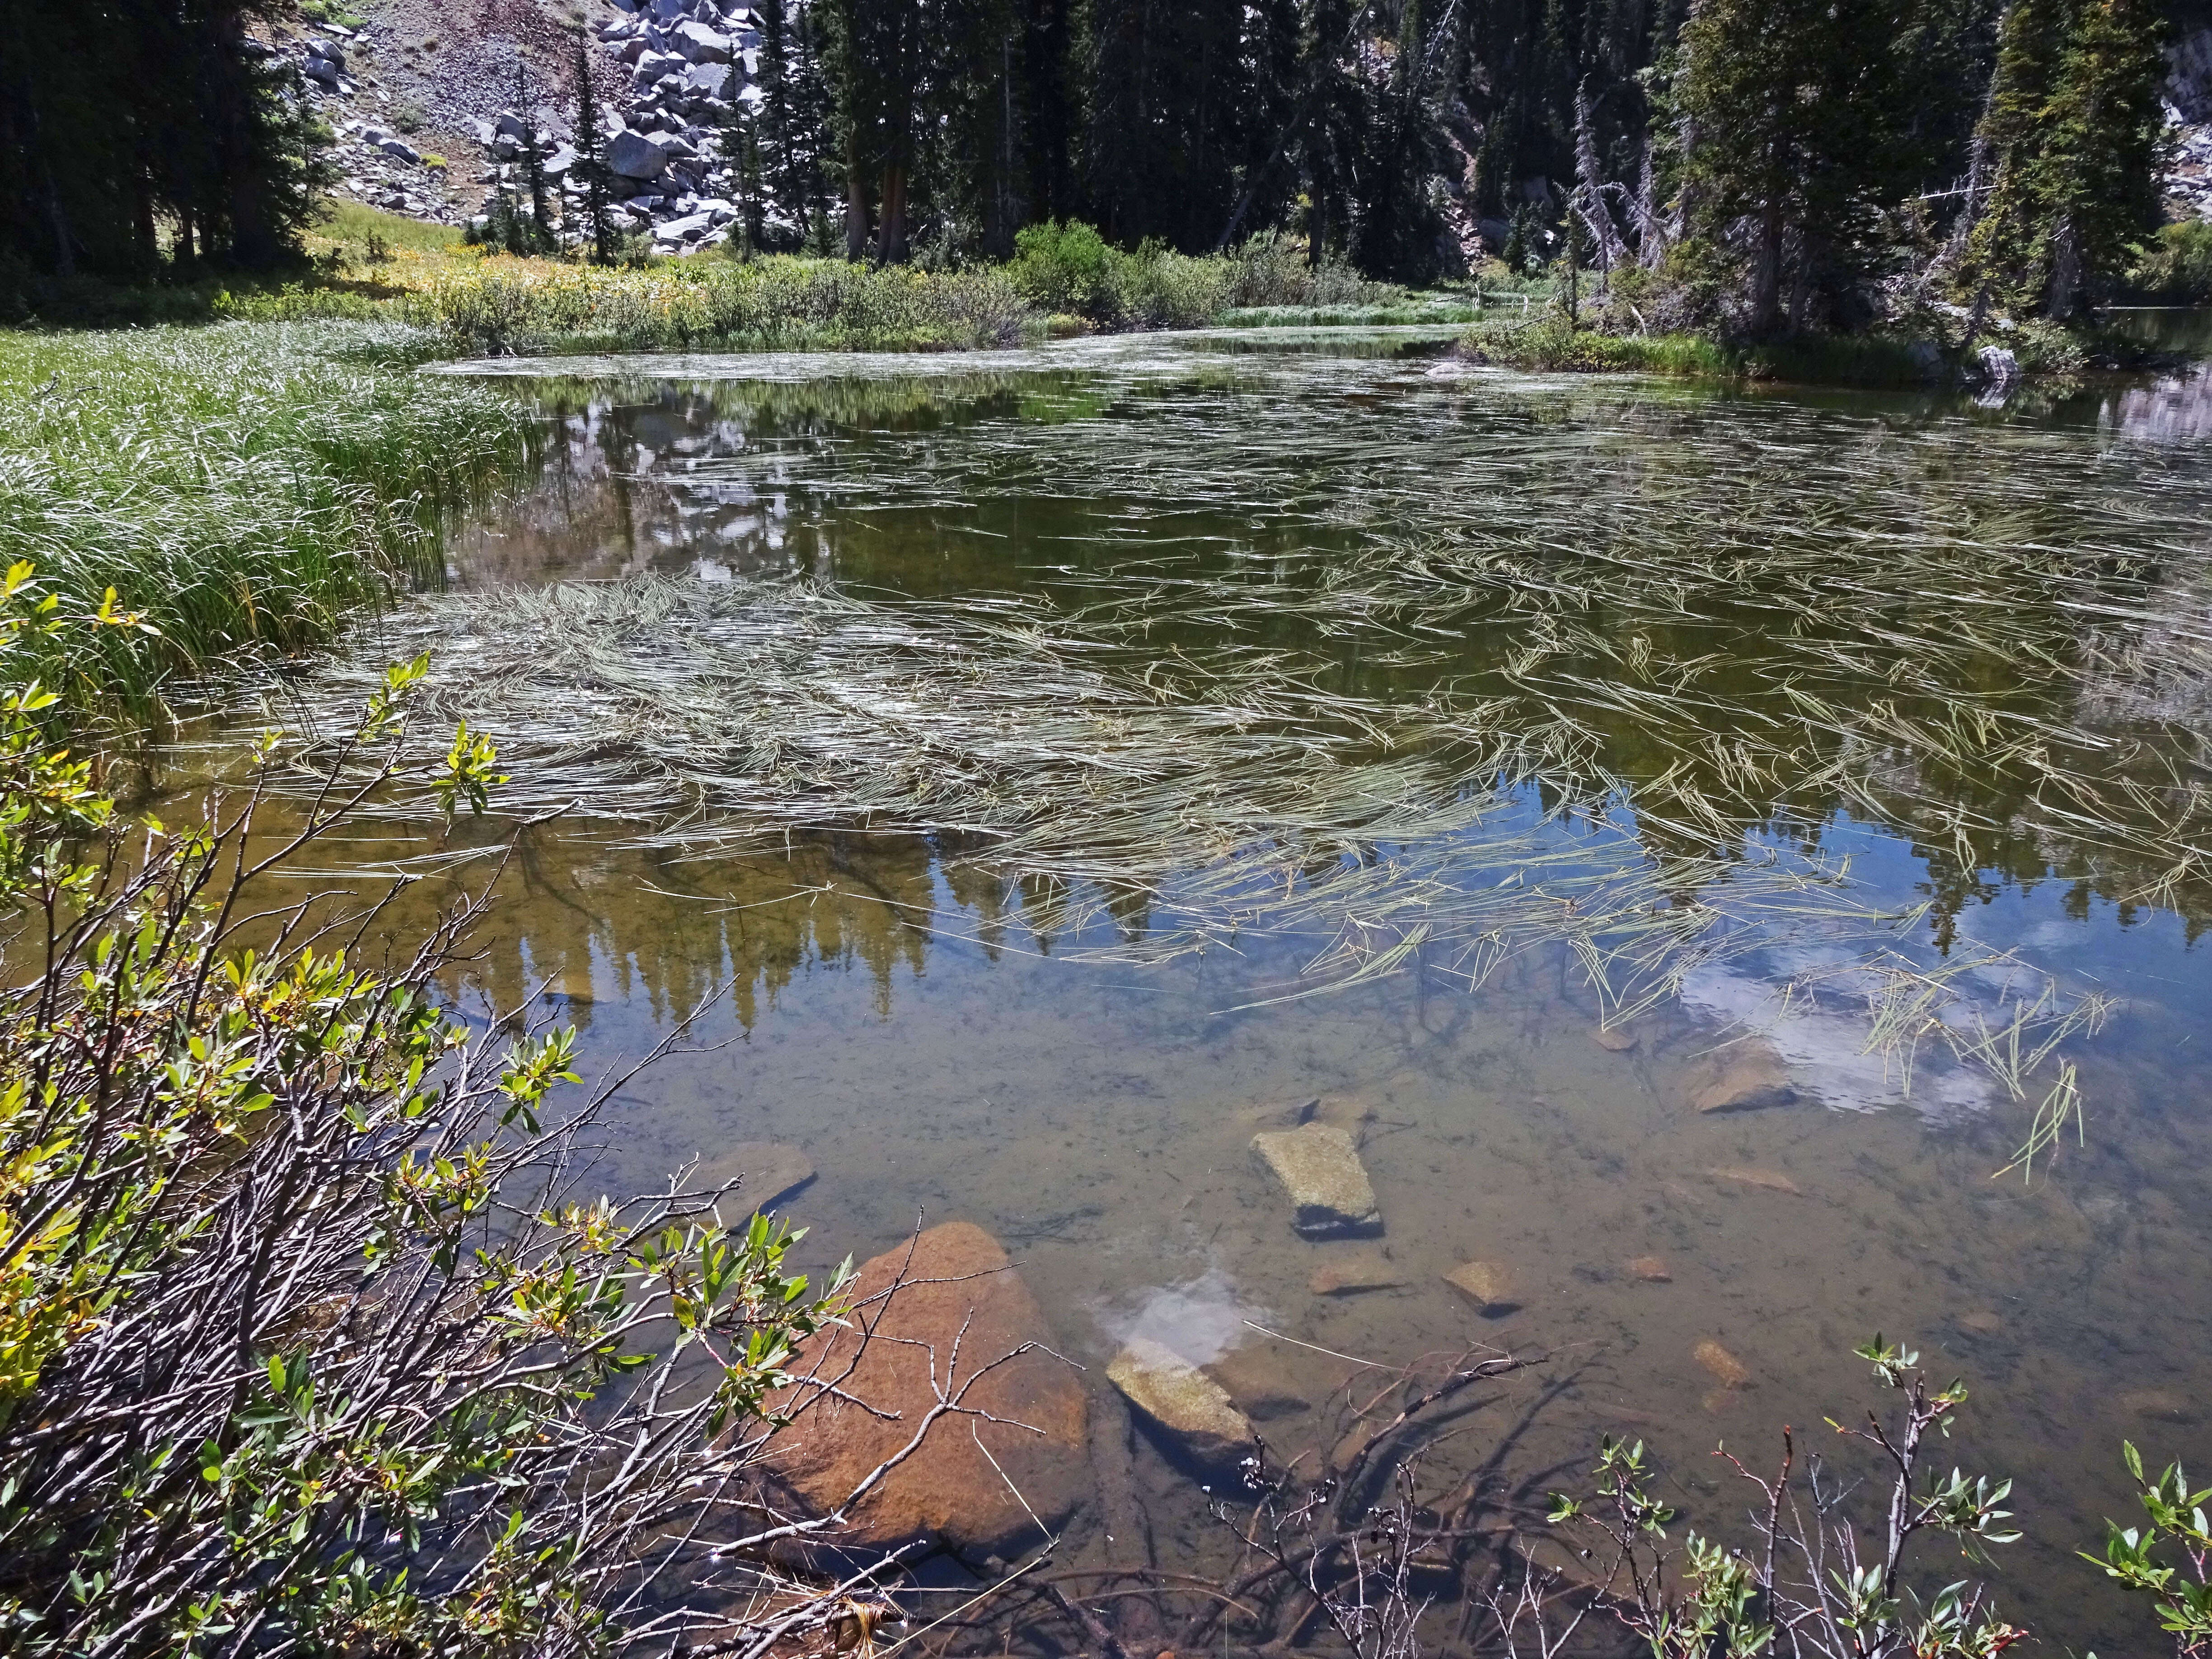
(1550, 343)
(245, 487)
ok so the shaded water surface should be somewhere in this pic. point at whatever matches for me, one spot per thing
(1898, 703)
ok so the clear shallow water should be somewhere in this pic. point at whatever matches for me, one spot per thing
(944, 1039)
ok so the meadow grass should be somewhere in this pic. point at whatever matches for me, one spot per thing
(497, 305)
(354, 230)
(1380, 316)
(245, 487)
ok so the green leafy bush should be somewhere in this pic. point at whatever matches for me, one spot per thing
(1070, 269)
(2176, 268)
(307, 1342)
(1815, 1578)
(1065, 269)
(2182, 1593)
(779, 302)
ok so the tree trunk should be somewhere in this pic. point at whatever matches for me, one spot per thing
(1801, 283)
(148, 253)
(893, 250)
(64, 243)
(1766, 271)
(2065, 291)
(856, 202)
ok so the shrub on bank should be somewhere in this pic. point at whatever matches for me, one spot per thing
(2176, 268)
(309, 1342)
(1070, 269)
(1550, 343)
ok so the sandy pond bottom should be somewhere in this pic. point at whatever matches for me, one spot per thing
(897, 1020)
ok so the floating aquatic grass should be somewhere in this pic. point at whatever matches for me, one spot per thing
(1510, 668)
(1147, 808)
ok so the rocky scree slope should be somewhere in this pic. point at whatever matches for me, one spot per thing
(434, 107)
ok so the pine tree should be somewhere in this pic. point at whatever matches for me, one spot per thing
(590, 167)
(120, 120)
(741, 149)
(1165, 120)
(1269, 179)
(1334, 137)
(872, 56)
(2102, 148)
(778, 119)
(538, 233)
(2073, 139)
(1400, 229)
(2000, 256)
(1794, 106)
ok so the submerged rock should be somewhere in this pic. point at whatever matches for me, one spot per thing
(1651, 1270)
(1349, 1275)
(1266, 1380)
(1749, 1078)
(767, 1172)
(1488, 1287)
(957, 1286)
(1772, 1180)
(1347, 1112)
(1319, 1169)
(1614, 1038)
(1281, 1114)
(1724, 1365)
(1181, 1403)
(2163, 1405)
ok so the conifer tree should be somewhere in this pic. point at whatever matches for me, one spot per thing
(741, 149)
(590, 167)
(538, 233)
(784, 178)
(1400, 228)
(1794, 106)
(121, 121)
(873, 59)
(2074, 138)
(2102, 148)
(2005, 227)
(1334, 137)
(811, 104)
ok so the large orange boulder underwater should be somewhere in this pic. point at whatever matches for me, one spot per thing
(985, 1476)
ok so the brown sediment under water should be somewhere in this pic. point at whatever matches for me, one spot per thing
(1691, 837)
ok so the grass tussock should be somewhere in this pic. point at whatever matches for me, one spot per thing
(244, 487)
(1934, 352)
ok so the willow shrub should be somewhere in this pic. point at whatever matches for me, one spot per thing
(309, 1341)
(1069, 268)
(245, 487)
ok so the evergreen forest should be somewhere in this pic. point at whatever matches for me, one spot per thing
(1763, 167)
